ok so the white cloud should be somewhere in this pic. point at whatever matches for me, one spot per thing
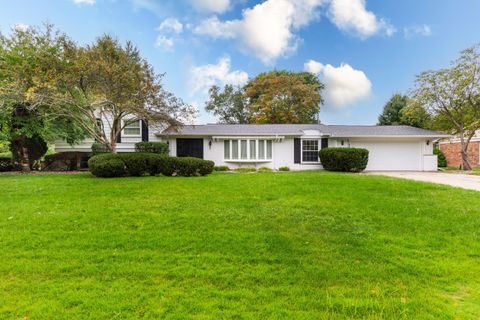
(20, 27)
(313, 66)
(79, 2)
(164, 43)
(268, 29)
(215, 6)
(423, 30)
(343, 85)
(171, 25)
(352, 16)
(203, 77)
(216, 29)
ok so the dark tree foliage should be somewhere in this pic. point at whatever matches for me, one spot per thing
(391, 114)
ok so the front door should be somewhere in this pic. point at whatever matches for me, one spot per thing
(190, 148)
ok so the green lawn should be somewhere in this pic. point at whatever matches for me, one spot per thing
(309, 245)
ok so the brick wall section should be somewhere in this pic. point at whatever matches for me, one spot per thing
(454, 158)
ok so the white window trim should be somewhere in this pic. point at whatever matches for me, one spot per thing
(248, 159)
(132, 135)
(301, 151)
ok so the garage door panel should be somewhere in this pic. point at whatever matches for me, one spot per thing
(388, 155)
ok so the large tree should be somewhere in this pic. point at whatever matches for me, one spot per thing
(401, 110)
(452, 97)
(416, 116)
(284, 97)
(229, 104)
(391, 114)
(29, 62)
(114, 83)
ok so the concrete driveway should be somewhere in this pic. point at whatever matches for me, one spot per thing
(465, 181)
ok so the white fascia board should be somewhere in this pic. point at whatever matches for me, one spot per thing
(394, 136)
(265, 137)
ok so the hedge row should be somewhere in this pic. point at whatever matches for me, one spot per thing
(344, 159)
(137, 164)
(152, 147)
(143, 147)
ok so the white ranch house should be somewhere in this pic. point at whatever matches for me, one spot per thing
(285, 145)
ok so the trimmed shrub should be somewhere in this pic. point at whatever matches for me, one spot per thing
(99, 148)
(284, 169)
(442, 161)
(206, 167)
(156, 163)
(6, 164)
(264, 169)
(152, 147)
(136, 164)
(186, 166)
(245, 170)
(221, 168)
(107, 165)
(344, 159)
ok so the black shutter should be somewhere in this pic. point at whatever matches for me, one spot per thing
(324, 143)
(296, 150)
(119, 137)
(144, 131)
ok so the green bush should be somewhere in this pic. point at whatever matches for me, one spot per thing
(284, 169)
(245, 170)
(152, 147)
(156, 163)
(99, 148)
(221, 168)
(442, 161)
(6, 164)
(344, 159)
(264, 169)
(186, 167)
(136, 164)
(107, 165)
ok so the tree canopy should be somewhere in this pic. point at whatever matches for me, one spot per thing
(273, 97)
(391, 114)
(229, 104)
(52, 88)
(401, 110)
(451, 96)
(29, 63)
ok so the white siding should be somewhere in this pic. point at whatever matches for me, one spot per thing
(127, 144)
(282, 155)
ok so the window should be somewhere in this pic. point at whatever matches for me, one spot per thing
(253, 152)
(243, 150)
(261, 149)
(309, 150)
(226, 149)
(234, 149)
(247, 149)
(132, 128)
(269, 149)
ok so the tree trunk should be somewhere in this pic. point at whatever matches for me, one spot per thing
(466, 162)
(22, 155)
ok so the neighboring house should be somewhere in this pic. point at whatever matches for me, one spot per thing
(452, 150)
(291, 145)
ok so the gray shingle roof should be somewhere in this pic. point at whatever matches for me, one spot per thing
(297, 130)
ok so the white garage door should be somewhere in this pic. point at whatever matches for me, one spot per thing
(392, 155)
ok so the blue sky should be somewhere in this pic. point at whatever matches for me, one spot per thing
(363, 50)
